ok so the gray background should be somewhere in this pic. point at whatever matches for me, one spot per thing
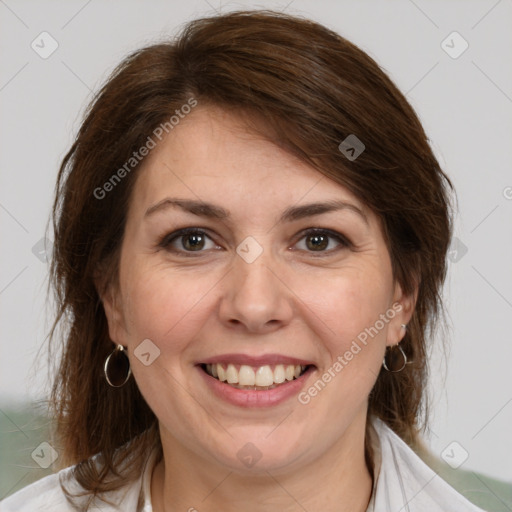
(465, 104)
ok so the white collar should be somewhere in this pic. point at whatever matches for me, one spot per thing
(403, 482)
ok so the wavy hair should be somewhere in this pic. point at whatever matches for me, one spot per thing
(312, 88)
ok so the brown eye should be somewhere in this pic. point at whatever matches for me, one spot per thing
(317, 242)
(188, 240)
(322, 241)
(192, 242)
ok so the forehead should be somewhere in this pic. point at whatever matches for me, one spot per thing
(214, 155)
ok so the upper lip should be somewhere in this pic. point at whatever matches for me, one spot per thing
(263, 360)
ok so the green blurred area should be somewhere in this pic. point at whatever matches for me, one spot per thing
(487, 493)
(24, 427)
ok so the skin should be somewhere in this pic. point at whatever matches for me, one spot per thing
(290, 301)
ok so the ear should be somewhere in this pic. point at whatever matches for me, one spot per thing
(403, 305)
(109, 297)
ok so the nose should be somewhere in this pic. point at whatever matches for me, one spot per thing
(256, 298)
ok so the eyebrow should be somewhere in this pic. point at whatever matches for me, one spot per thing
(292, 213)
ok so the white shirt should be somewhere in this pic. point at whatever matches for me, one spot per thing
(403, 483)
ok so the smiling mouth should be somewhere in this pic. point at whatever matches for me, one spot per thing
(261, 378)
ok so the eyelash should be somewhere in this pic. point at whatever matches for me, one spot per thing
(166, 241)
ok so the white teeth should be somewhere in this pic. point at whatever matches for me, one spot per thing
(246, 376)
(289, 372)
(232, 374)
(279, 375)
(221, 373)
(249, 376)
(264, 376)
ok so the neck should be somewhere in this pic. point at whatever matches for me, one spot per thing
(337, 481)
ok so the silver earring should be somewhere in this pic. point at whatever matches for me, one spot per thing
(403, 365)
(117, 367)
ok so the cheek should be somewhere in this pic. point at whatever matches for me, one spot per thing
(348, 304)
(165, 306)
(168, 310)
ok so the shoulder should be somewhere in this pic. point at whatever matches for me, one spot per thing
(405, 482)
(48, 494)
(45, 494)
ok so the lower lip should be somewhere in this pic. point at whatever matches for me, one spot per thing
(252, 398)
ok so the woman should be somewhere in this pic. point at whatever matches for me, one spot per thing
(251, 221)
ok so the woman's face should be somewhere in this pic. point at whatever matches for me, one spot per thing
(264, 282)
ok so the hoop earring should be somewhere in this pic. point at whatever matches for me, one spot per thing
(117, 367)
(403, 365)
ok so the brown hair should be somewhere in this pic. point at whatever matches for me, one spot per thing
(313, 88)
